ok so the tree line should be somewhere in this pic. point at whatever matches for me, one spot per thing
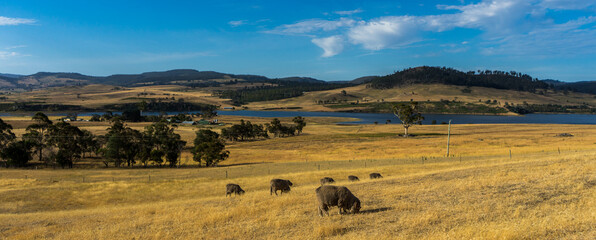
(64, 144)
(278, 90)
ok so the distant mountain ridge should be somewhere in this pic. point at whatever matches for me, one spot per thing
(8, 75)
(190, 77)
(177, 76)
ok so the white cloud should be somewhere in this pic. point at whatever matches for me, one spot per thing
(349, 12)
(15, 21)
(237, 23)
(506, 25)
(331, 45)
(385, 32)
(311, 25)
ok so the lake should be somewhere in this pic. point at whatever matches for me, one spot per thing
(381, 118)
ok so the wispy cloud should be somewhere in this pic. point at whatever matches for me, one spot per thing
(6, 21)
(15, 47)
(312, 26)
(548, 41)
(349, 12)
(331, 45)
(567, 4)
(522, 25)
(8, 54)
(237, 23)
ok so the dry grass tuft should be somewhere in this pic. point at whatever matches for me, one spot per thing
(330, 230)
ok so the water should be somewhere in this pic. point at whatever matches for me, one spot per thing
(381, 118)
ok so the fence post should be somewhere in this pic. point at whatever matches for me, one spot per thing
(510, 154)
(226, 173)
(448, 136)
(559, 148)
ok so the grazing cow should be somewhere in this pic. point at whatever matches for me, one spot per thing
(280, 185)
(233, 188)
(353, 178)
(329, 196)
(327, 180)
(375, 175)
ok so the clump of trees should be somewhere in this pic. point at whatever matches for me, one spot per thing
(248, 131)
(157, 144)
(63, 143)
(244, 131)
(281, 130)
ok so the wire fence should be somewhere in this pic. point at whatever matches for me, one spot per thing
(153, 175)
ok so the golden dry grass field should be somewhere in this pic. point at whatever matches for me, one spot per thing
(422, 93)
(545, 190)
(96, 96)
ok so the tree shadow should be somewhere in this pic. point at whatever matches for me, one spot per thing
(241, 164)
(375, 210)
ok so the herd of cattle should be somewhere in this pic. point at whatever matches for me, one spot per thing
(327, 195)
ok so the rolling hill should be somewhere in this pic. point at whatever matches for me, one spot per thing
(440, 89)
(186, 77)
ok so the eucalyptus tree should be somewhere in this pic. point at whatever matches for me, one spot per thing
(123, 144)
(408, 114)
(66, 139)
(37, 133)
(300, 122)
(166, 143)
(209, 148)
(6, 134)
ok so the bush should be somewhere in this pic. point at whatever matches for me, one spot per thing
(17, 154)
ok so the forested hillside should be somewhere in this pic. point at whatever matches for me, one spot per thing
(441, 75)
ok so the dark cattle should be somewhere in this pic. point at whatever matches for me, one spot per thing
(375, 175)
(329, 196)
(280, 185)
(327, 180)
(233, 188)
(353, 178)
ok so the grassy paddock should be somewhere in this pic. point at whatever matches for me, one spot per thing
(480, 192)
(543, 196)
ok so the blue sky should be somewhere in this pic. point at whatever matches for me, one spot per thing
(329, 40)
